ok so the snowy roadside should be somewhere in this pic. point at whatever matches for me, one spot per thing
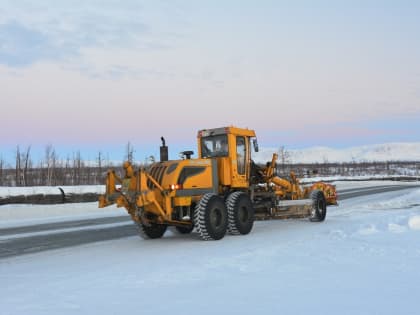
(23, 215)
(50, 190)
(342, 185)
(13, 215)
(362, 178)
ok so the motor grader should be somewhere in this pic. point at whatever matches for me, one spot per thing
(221, 191)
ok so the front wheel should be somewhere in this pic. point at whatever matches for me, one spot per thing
(151, 232)
(319, 206)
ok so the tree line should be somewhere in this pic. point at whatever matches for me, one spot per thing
(386, 168)
(354, 168)
(52, 170)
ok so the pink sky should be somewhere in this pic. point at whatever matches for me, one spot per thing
(299, 75)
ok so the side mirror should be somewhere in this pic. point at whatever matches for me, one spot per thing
(255, 143)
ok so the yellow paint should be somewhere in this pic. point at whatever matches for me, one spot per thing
(182, 201)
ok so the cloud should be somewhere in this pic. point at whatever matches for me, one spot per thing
(21, 46)
(60, 31)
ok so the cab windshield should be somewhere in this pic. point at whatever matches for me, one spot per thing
(214, 146)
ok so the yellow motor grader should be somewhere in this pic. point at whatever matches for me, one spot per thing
(221, 191)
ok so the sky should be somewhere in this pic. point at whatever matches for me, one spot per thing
(93, 75)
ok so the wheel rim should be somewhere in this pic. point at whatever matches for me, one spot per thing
(243, 215)
(321, 206)
(216, 218)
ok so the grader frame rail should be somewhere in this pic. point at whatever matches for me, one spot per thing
(221, 191)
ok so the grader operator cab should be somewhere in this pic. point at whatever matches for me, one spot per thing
(221, 191)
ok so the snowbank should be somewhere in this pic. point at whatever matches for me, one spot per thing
(404, 200)
(375, 178)
(51, 190)
(21, 215)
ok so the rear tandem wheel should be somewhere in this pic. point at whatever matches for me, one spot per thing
(240, 213)
(210, 217)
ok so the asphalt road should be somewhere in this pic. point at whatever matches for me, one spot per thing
(36, 238)
(359, 192)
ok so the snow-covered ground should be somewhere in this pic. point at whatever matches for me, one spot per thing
(27, 214)
(370, 179)
(22, 214)
(364, 259)
(371, 153)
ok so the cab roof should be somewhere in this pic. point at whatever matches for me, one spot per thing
(226, 130)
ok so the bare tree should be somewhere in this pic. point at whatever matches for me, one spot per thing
(98, 175)
(77, 168)
(284, 158)
(129, 155)
(27, 161)
(108, 162)
(68, 174)
(1, 170)
(51, 163)
(18, 168)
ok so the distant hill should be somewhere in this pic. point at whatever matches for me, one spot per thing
(366, 153)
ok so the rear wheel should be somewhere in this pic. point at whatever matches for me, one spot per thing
(240, 213)
(210, 217)
(151, 232)
(319, 206)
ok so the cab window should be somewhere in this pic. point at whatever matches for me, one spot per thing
(214, 146)
(240, 154)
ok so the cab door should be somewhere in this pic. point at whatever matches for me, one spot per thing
(240, 165)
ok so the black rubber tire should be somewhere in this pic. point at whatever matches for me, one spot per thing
(319, 206)
(184, 230)
(240, 213)
(210, 217)
(151, 232)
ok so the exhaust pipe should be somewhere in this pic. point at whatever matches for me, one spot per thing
(163, 151)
